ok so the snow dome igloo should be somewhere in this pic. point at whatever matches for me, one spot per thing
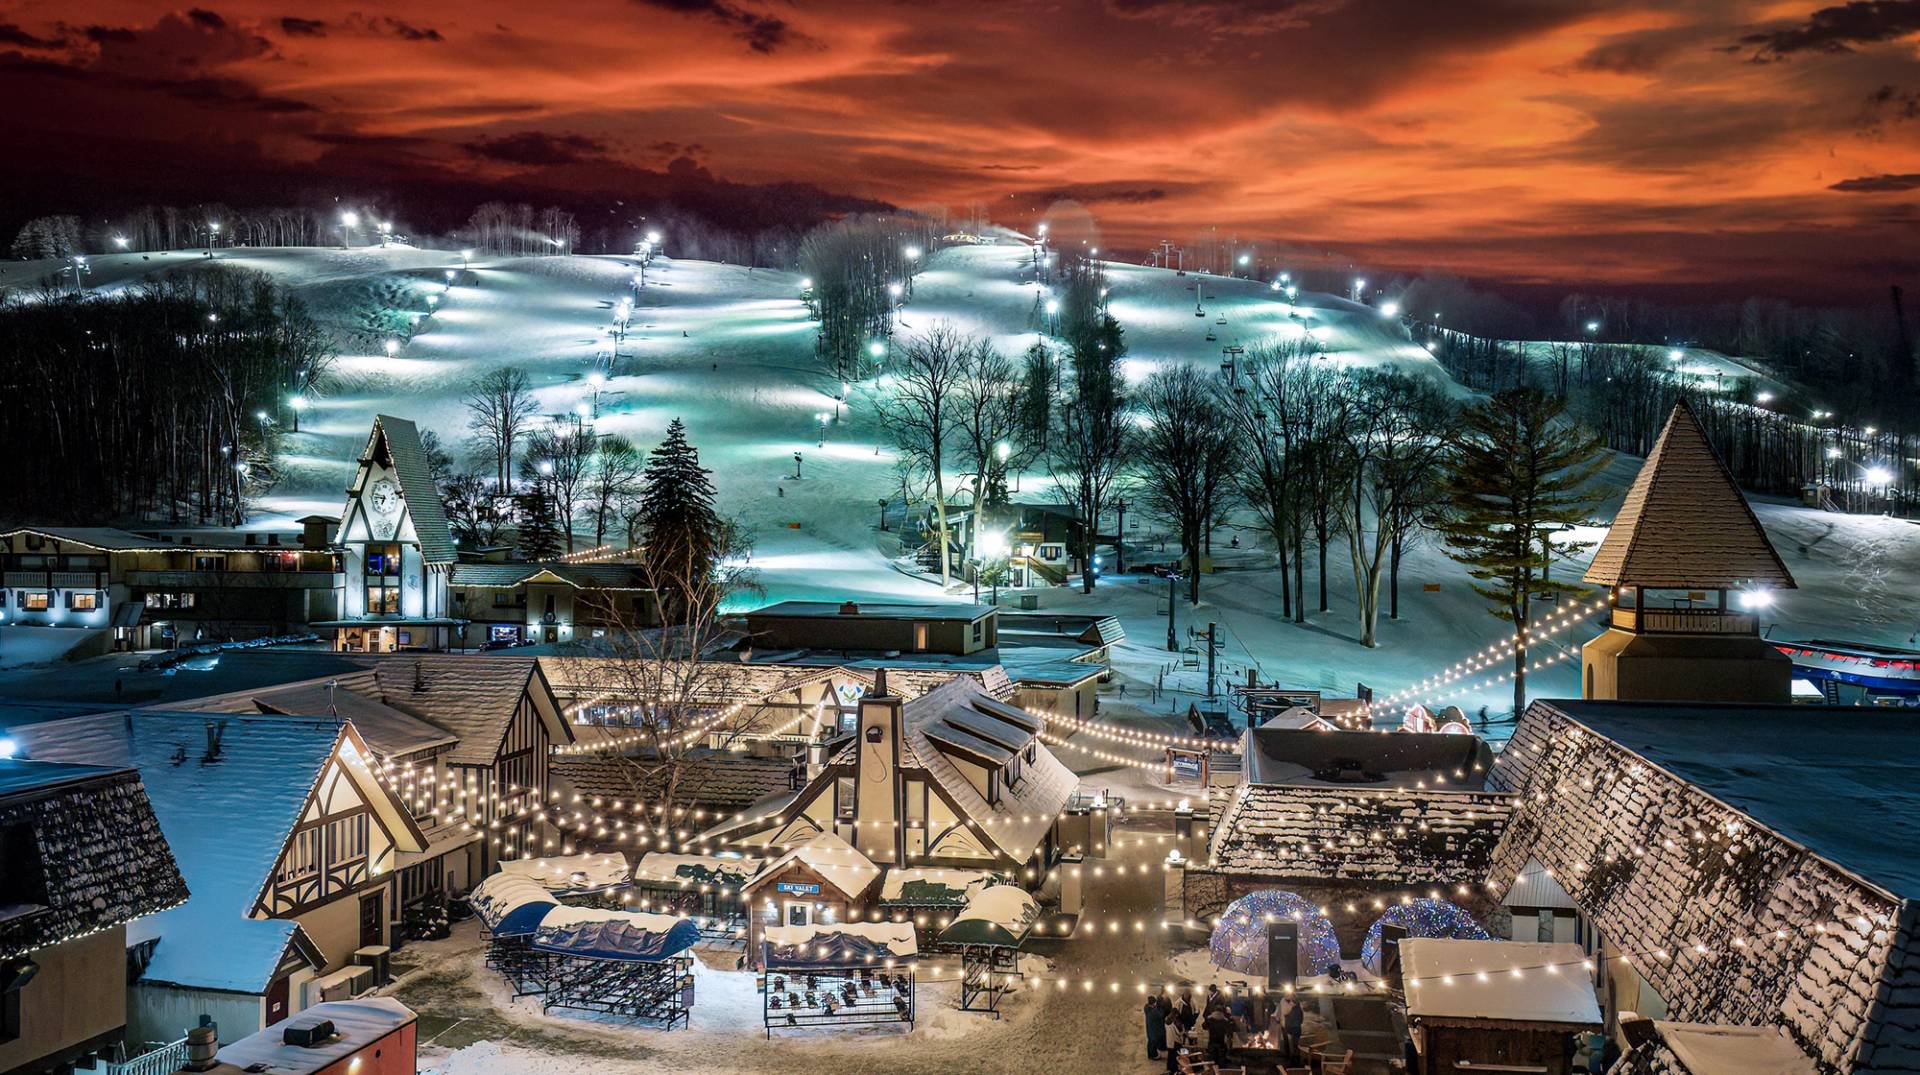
(1239, 942)
(1423, 918)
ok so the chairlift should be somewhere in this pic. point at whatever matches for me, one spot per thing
(1222, 321)
(1190, 657)
(1210, 336)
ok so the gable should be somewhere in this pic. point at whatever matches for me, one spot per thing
(350, 830)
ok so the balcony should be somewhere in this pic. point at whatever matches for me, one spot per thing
(1685, 621)
(233, 580)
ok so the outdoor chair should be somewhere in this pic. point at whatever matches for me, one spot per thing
(1342, 1066)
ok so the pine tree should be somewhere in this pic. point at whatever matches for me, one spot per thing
(1519, 472)
(539, 527)
(682, 530)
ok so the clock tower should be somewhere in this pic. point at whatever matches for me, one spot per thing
(397, 552)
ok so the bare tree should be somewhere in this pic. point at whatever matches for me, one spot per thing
(1185, 457)
(921, 414)
(499, 406)
(474, 510)
(1092, 440)
(558, 459)
(611, 481)
(986, 421)
(1392, 441)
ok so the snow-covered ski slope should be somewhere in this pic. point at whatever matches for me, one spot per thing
(730, 351)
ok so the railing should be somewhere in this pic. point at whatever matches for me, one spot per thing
(291, 580)
(1686, 621)
(165, 1060)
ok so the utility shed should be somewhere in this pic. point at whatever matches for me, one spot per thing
(1499, 1006)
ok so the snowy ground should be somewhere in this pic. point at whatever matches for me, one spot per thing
(730, 350)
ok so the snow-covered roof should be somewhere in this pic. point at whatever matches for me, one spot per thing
(840, 944)
(226, 817)
(962, 717)
(101, 856)
(568, 874)
(579, 576)
(1535, 888)
(836, 861)
(1684, 523)
(473, 696)
(1734, 1050)
(1380, 836)
(1298, 718)
(1002, 915)
(511, 904)
(1454, 981)
(872, 610)
(720, 781)
(1676, 825)
(605, 934)
(356, 1024)
(690, 871)
(932, 887)
(390, 732)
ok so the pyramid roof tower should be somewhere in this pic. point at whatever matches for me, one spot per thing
(1685, 524)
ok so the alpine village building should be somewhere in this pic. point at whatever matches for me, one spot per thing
(384, 576)
(83, 855)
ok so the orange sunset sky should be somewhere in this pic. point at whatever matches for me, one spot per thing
(1676, 144)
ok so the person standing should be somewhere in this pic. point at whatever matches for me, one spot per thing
(1219, 1035)
(1155, 1012)
(1296, 1021)
(1176, 1038)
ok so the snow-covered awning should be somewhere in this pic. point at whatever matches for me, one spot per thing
(1734, 1050)
(1452, 981)
(511, 905)
(1001, 916)
(931, 887)
(572, 875)
(694, 871)
(630, 936)
(849, 944)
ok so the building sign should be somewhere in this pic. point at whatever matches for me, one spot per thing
(797, 888)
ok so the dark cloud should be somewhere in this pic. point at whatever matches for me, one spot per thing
(1639, 53)
(410, 32)
(1838, 29)
(206, 20)
(14, 35)
(1879, 184)
(538, 148)
(1226, 17)
(762, 33)
(1116, 192)
(294, 26)
(100, 35)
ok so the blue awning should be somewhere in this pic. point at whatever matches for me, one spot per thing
(511, 905)
(623, 935)
(858, 945)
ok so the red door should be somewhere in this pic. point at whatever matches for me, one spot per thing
(370, 930)
(277, 1001)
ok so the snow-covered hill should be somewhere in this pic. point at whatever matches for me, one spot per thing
(730, 351)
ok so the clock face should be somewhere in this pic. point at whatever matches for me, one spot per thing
(384, 497)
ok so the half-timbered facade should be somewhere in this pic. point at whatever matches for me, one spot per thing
(954, 778)
(397, 550)
(288, 842)
(464, 740)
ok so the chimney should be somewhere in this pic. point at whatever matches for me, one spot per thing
(879, 683)
(215, 729)
(880, 805)
(203, 1046)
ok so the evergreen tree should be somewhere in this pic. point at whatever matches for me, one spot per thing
(539, 526)
(1519, 471)
(683, 533)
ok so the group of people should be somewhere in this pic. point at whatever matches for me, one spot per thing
(1175, 1024)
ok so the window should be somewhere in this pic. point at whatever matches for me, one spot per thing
(920, 637)
(382, 600)
(843, 798)
(346, 839)
(302, 859)
(282, 561)
(169, 600)
(383, 560)
(83, 600)
(1545, 932)
(34, 601)
(978, 627)
(3, 599)
(209, 563)
(502, 598)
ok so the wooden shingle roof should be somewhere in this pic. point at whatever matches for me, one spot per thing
(1684, 523)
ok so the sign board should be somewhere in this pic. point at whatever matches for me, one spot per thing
(797, 888)
(1187, 765)
(1430, 587)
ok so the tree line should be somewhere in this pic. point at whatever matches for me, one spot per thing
(161, 401)
(859, 271)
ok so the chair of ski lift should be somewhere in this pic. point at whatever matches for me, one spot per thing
(1222, 321)
(1190, 657)
(1210, 336)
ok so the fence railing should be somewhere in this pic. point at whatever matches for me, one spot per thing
(165, 1060)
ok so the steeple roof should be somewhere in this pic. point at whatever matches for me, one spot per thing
(415, 478)
(1685, 524)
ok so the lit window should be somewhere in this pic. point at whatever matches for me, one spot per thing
(83, 600)
(34, 601)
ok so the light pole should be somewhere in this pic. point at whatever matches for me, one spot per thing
(823, 416)
(1002, 451)
(349, 220)
(993, 546)
(1053, 317)
(213, 229)
(796, 466)
(1173, 580)
(297, 404)
(1120, 538)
